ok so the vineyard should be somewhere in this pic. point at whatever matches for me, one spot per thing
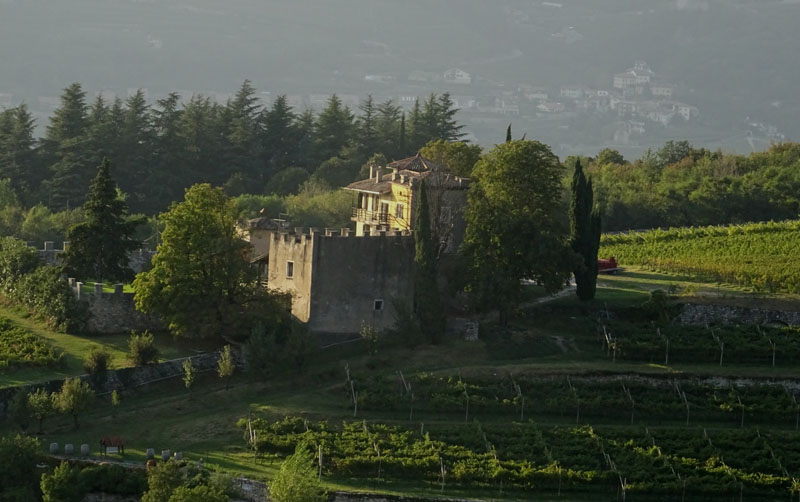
(524, 456)
(21, 348)
(609, 399)
(760, 256)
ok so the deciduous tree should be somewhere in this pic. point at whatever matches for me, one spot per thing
(75, 396)
(515, 225)
(201, 282)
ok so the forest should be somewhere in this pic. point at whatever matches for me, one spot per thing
(290, 162)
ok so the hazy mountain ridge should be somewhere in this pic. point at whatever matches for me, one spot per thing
(732, 59)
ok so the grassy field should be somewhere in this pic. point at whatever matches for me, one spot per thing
(76, 347)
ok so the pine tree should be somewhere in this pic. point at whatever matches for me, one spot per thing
(170, 168)
(427, 301)
(447, 127)
(243, 146)
(66, 152)
(584, 234)
(134, 161)
(99, 246)
(18, 155)
(279, 136)
(389, 130)
(367, 139)
(334, 129)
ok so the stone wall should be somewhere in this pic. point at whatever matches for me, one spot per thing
(339, 280)
(51, 254)
(128, 378)
(693, 313)
(113, 312)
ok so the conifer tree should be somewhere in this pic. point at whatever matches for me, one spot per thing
(334, 129)
(584, 234)
(427, 301)
(18, 159)
(508, 134)
(66, 150)
(99, 246)
(279, 136)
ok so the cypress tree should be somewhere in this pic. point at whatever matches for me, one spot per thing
(427, 302)
(584, 234)
(508, 134)
(99, 246)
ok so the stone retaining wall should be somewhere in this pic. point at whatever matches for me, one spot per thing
(127, 378)
(693, 313)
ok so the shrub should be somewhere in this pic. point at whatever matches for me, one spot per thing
(97, 362)
(61, 486)
(47, 295)
(142, 349)
(16, 260)
(297, 479)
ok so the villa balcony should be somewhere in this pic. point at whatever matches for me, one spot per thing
(370, 217)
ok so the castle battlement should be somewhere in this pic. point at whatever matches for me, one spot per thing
(300, 234)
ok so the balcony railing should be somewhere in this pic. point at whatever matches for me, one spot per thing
(372, 217)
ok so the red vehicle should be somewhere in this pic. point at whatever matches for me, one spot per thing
(608, 266)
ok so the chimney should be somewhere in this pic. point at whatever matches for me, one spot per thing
(394, 174)
(371, 170)
(378, 175)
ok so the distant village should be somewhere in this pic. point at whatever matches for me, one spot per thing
(638, 101)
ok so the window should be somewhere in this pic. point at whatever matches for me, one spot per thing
(378, 305)
(399, 211)
(289, 269)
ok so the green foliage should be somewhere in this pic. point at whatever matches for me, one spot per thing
(171, 481)
(97, 362)
(19, 348)
(200, 493)
(278, 345)
(19, 476)
(319, 206)
(189, 375)
(45, 293)
(162, 481)
(99, 246)
(427, 301)
(286, 181)
(142, 349)
(62, 485)
(515, 225)
(41, 405)
(201, 282)
(75, 397)
(336, 172)
(250, 206)
(760, 256)
(584, 234)
(683, 186)
(16, 260)
(225, 365)
(458, 157)
(296, 480)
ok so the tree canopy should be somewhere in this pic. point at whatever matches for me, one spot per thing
(201, 282)
(515, 225)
